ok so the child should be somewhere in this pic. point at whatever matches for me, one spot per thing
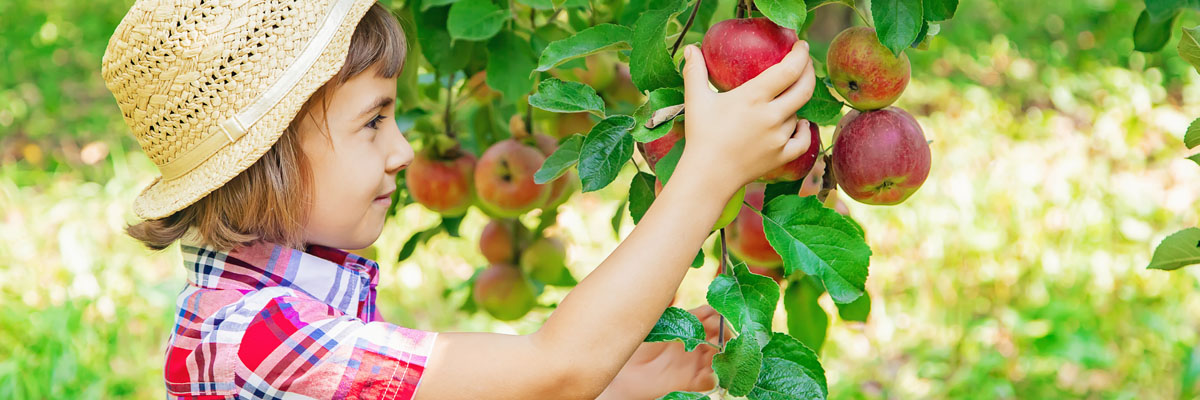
(268, 120)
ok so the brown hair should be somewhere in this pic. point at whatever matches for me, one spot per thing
(269, 200)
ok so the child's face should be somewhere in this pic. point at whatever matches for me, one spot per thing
(354, 168)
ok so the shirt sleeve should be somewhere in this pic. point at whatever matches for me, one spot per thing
(302, 346)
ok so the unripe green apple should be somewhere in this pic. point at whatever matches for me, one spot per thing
(504, 292)
(865, 72)
(545, 260)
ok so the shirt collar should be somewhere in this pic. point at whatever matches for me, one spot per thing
(342, 280)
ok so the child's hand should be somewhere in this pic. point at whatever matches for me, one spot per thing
(736, 136)
(660, 368)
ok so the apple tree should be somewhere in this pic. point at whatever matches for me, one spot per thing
(1153, 30)
(514, 106)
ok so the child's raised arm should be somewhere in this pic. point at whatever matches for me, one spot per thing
(732, 138)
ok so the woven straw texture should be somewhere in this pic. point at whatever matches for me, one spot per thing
(180, 68)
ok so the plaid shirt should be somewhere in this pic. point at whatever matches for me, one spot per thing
(267, 321)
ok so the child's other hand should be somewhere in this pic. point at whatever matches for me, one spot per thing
(737, 136)
(660, 368)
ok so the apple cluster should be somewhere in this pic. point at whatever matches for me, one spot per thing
(505, 289)
(879, 154)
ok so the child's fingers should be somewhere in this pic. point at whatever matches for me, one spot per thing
(798, 94)
(695, 74)
(780, 76)
(799, 142)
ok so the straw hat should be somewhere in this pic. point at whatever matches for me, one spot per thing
(208, 86)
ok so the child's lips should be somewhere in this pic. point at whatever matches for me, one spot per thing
(385, 198)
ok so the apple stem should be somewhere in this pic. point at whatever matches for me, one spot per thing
(686, 26)
(742, 9)
(721, 270)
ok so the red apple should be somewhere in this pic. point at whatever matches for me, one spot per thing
(442, 184)
(496, 242)
(737, 50)
(797, 169)
(881, 157)
(658, 148)
(865, 72)
(504, 179)
(746, 238)
(504, 292)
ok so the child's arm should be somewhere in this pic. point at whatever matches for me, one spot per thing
(732, 138)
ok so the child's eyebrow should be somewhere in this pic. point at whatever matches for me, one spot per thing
(377, 104)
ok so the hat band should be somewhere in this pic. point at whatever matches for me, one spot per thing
(234, 128)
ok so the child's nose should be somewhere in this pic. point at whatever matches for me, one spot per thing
(400, 152)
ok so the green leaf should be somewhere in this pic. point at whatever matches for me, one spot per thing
(588, 41)
(1189, 48)
(1162, 10)
(939, 10)
(665, 166)
(635, 8)
(445, 55)
(605, 150)
(738, 366)
(1190, 384)
(1178, 250)
(563, 158)
(819, 241)
(896, 22)
(427, 4)
(641, 195)
(1192, 138)
(788, 348)
(699, 260)
(407, 97)
(822, 108)
(1195, 158)
(785, 380)
(566, 97)
(786, 13)
(746, 299)
(650, 62)
(475, 19)
(657, 99)
(678, 324)
(813, 4)
(857, 310)
(619, 217)
(684, 396)
(806, 320)
(1151, 36)
(777, 189)
(510, 61)
(550, 4)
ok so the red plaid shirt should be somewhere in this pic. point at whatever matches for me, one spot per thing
(267, 321)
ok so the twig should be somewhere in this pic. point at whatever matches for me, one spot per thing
(724, 257)
(448, 119)
(686, 26)
(828, 180)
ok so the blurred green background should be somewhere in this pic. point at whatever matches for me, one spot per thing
(1017, 271)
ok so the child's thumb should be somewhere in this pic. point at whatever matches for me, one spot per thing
(695, 73)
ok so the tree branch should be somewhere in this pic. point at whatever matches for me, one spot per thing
(686, 27)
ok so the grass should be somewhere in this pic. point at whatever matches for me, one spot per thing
(1017, 271)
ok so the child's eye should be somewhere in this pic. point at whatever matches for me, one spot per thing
(375, 121)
